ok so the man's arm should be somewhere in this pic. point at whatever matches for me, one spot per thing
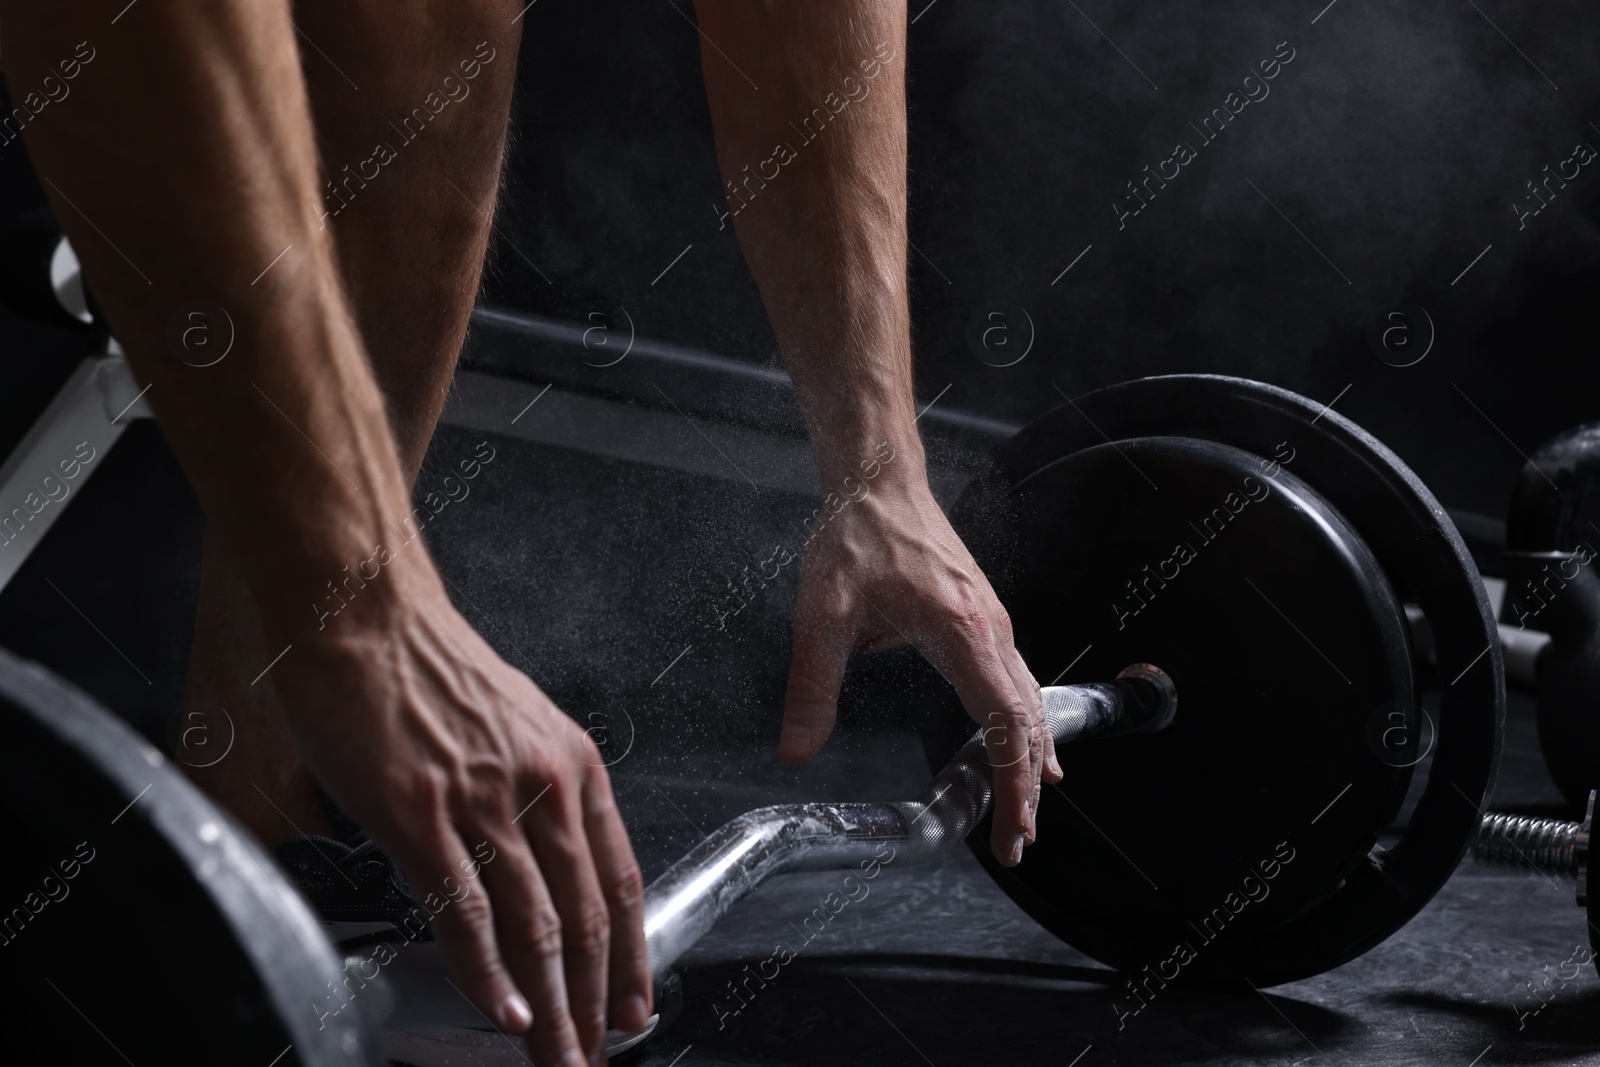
(808, 104)
(183, 168)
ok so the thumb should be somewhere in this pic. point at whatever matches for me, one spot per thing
(823, 637)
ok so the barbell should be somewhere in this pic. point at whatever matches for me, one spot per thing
(1255, 547)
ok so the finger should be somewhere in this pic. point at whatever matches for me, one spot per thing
(1052, 763)
(1037, 730)
(628, 1005)
(1027, 689)
(464, 924)
(1036, 744)
(1014, 785)
(967, 656)
(530, 937)
(823, 637)
(561, 847)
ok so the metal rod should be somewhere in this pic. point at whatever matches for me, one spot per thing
(1552, 846)
(688, 899)
(1548, 845)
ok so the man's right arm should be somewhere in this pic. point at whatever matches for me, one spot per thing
(183, 168)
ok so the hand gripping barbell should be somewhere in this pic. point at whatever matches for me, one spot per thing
(427, 1017)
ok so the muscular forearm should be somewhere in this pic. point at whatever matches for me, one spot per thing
(808, 103)
(814, 162)
(183, 168)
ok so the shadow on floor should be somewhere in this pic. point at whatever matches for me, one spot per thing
(895, 1008)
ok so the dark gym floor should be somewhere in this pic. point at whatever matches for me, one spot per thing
(599, 576)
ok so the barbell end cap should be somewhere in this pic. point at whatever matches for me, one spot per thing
(1167, 694)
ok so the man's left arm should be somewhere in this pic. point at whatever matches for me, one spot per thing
(808, 106)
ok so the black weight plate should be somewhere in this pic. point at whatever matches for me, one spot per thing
(1219, 560)
(1425, 562)
(141, 923)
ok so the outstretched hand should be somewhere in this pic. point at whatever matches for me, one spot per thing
(887, 569)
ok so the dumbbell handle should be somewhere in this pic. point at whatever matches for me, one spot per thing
(688, 899)
(1551, 846)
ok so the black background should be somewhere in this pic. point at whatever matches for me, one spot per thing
(1396, 140)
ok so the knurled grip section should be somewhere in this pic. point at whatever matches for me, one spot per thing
(1548, 845)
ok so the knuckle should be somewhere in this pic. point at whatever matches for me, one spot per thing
(590, 935)
(565, 796)
(485, 795)
(626, 890)
(542, 937)
(1000, 620)
(1013, 722)
(472, 911)
(965, 614)
(422, 790)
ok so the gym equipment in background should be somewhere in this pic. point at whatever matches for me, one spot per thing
(1555, 848)
(141, 922)
(1552, 534)
(40, 280)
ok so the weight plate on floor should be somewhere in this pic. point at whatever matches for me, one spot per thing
(1293, 645)
(140, 922)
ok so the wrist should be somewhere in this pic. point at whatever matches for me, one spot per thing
(890, 457)
(346, 593)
